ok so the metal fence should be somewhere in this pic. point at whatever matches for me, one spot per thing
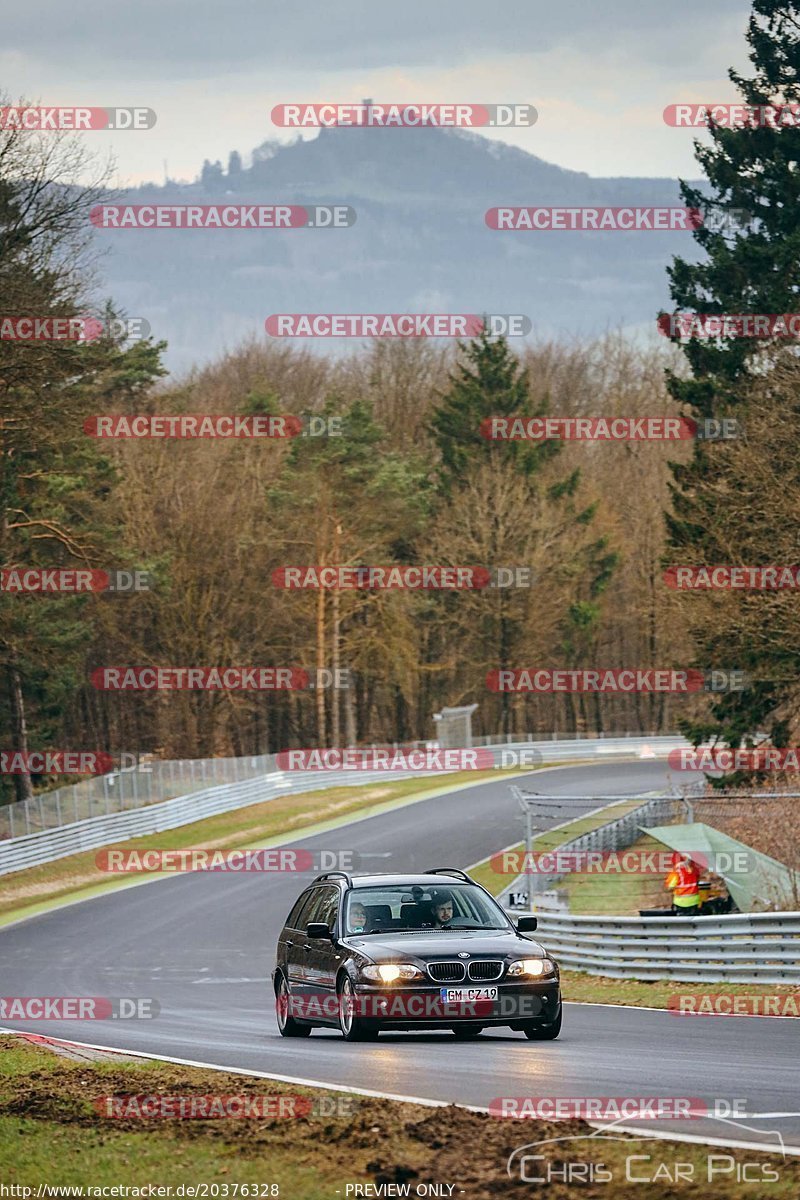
(151, 781)
(616, 834)
(264, 783)
(148, 782)
(735, 948)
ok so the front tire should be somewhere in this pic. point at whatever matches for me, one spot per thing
(352, 1027)
(543, 1033)
(287, 1026)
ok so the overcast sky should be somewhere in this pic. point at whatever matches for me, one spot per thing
(599, 73)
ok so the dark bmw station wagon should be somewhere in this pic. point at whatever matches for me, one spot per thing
(364, 953)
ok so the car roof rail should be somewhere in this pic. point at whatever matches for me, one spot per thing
(334, 875)
(449, 871)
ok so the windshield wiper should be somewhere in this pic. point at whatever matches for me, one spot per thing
(489, 927)
(456, 928)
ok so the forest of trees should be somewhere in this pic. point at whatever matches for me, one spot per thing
(407, 481)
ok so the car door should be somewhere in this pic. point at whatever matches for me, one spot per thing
(295, 941)
(323, 957)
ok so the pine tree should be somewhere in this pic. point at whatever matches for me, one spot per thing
(751, 240)
(488, 382)
(751, 234)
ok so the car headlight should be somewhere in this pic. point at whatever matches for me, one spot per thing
(391, 972)
(532, 967)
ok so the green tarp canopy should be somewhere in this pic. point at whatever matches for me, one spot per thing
(756, 882)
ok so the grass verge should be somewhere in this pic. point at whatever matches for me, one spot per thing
(51, 1133)
(655, 993)
(622, 893)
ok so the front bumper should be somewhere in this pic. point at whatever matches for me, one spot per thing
(517, 1005)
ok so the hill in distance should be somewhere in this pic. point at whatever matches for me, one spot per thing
(419, 244)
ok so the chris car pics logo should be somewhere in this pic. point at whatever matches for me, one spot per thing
(579, 1159)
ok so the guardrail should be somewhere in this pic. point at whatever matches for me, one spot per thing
(735, 948)
(17, 853)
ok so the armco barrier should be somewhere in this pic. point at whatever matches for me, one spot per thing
(33, 849)
(735, 948)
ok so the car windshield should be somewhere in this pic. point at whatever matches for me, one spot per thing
(405, 909)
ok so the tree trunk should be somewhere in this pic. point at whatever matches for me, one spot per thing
(504, 652)
(336, 644)
(19, 729)
(320, 666)
(350, 714)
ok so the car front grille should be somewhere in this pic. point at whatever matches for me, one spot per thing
(447, 972)
(484, 969)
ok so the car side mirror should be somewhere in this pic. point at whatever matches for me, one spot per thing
(317, 930)
(526, 924)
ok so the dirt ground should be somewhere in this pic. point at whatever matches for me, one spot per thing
(376, 1142)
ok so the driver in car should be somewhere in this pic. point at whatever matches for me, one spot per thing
(357, 918)
(442, 909)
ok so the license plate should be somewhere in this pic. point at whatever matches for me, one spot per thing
(468, 995)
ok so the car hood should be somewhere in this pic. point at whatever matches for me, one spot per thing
(428, 947)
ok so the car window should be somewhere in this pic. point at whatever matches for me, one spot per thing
(324, 907)
(413, 907)
(329, 908)
(292, 921)
(303, 914)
